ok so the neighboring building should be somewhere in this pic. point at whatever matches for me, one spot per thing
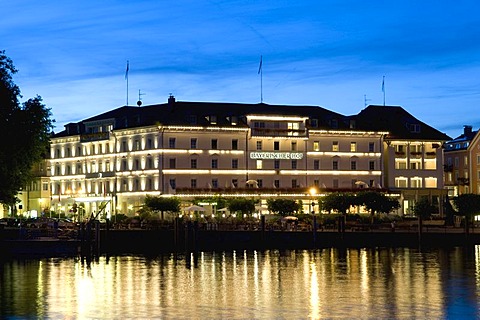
(111, 161)
(413, 157)
(462, 163)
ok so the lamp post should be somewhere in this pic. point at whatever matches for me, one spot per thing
(313, 192)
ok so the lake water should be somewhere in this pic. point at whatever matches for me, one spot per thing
(397, 283)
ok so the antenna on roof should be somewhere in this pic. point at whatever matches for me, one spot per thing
(139, 102)
(365, 100)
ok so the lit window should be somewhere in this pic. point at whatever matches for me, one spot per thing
(335, 146)
(316, 146)
(353, 147)
(259, 164)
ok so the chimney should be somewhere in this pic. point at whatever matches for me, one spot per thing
(171, 99)
(467, 130)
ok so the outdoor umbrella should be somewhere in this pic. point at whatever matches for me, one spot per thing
(194, 208)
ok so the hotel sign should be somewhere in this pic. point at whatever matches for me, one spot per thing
(276, 155)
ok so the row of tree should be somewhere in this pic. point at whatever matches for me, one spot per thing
(374, 202)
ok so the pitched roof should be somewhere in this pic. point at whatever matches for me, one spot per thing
(398, 122)
(199, 113)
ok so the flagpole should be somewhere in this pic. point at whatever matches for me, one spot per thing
(260, 71)
(383, 89)
(126, 77)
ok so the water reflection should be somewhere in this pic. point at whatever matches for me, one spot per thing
(329, 283)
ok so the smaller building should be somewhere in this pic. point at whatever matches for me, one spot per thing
(462, 163)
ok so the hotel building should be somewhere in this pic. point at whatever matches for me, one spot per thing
(109, 162)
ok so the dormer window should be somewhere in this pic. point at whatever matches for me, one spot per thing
(414, 128)
(314, 123)
(211, 119)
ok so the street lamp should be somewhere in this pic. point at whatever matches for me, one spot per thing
(313, 192)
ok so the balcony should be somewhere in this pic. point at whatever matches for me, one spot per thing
(271, 132)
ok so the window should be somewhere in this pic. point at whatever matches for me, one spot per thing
(214, 144)
(171, 143)
(259, 164)
(214, 163)
(456, 162)
(149, 163)
(124, 146)
(259, 183)
(173, 163)
(353, 165)
(57, 153)
(316, 146)
(314, 123)
(234, 144)
(335, 183)
(136, 145)
(276, 164)
(353, 147)
(193, 143)
(69, 170)
(400, 182)
(124, 165)
(294, 164)
(416, 182)
(79, 168)
(294, 146)
(276, 183)
(45, 186)
(335, 165)
(137, 164)
(371, 147)
(316, 182)
(234, 163)
(69, 152)
(193, 163)
(215, 183)
(294, 183)
(149, 143)
(234, 183)
(173, 183)
(259, 145)
(316, 164)
(193, 183)
(276, 145)
(478, 158)
(371, 165)
(79, 151)
(465, 161)
(335, 146)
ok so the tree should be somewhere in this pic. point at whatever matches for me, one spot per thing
(283, 207)
(161, 204)
(338, 201)
(24, 132)
(377, 202)
(423, 208)
(468, 204)
(245, 206)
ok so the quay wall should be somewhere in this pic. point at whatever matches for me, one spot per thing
(153, 241)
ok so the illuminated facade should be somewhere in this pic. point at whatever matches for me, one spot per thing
(189, 149)
(462, 163)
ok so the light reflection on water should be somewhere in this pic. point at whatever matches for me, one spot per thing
(315, 284)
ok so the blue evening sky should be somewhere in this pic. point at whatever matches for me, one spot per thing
(330, 53)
